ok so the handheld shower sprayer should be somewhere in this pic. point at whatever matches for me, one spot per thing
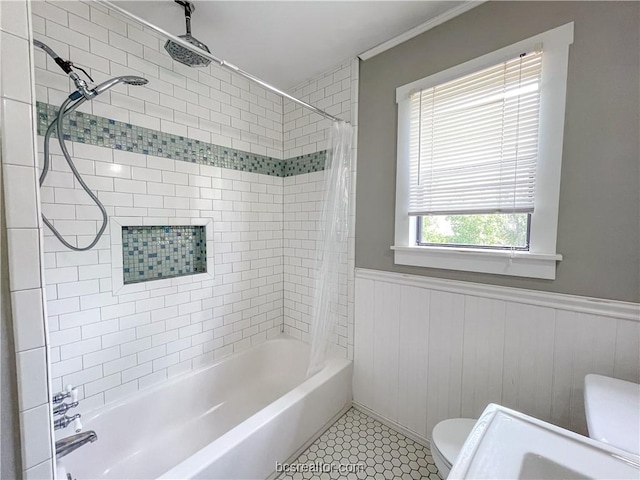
(90, 93)
(82, 93)
(126, 79)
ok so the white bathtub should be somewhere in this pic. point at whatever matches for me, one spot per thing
(234, 419)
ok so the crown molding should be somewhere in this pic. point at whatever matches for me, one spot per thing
(423, 27)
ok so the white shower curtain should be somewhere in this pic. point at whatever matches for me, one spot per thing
(331, 244)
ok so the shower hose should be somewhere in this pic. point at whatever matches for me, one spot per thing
(65, 109)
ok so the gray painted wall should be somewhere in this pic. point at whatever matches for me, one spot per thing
(599, 218)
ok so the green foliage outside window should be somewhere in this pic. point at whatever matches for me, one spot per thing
(494, 230)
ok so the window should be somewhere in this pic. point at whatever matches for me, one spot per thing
(496, 231)
(479, 155)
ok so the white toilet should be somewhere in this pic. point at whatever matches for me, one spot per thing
(447, 439)
(612, 409)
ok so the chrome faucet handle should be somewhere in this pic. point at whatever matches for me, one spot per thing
(63, 408)
(60, 396)
(66, 393)
(64, 421)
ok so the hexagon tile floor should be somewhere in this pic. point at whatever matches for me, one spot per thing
(359, 447)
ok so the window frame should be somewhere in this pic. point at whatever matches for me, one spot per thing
(540, 260)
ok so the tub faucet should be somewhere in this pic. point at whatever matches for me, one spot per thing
(66, 445)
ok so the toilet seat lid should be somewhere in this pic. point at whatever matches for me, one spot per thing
(449, 435)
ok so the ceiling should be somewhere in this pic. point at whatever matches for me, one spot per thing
(287, 42)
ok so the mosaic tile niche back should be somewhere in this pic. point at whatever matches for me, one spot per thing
(105, 132)
(155, 252)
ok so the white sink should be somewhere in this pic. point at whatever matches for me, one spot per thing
(505, 444)
(613, 411)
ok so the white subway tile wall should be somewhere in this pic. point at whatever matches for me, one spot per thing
(114, 344)
(334, 92)
(208, 104)
(24, 237)
(307, 132)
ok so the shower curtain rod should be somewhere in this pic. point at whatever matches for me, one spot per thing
(219, 61)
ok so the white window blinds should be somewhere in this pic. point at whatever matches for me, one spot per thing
(474, 141)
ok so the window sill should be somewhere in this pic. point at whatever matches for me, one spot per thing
(498, 262)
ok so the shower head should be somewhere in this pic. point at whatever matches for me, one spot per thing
(186, 56)
(127, 79)
(182, 54)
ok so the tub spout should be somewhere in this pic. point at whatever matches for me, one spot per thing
(68, 444)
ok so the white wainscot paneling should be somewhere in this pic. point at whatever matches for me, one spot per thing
(428, 349)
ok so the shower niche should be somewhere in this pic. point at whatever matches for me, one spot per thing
(143, 256)
(156, 252)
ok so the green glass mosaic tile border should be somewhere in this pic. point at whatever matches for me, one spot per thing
(104, 132)
(312, 162)
(154, 252)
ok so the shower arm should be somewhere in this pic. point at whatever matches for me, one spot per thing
(189, 8)
(219, 61)
(67, 66)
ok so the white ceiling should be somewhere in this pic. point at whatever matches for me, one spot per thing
(287, 42)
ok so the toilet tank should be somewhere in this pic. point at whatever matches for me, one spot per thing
(612, 407)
